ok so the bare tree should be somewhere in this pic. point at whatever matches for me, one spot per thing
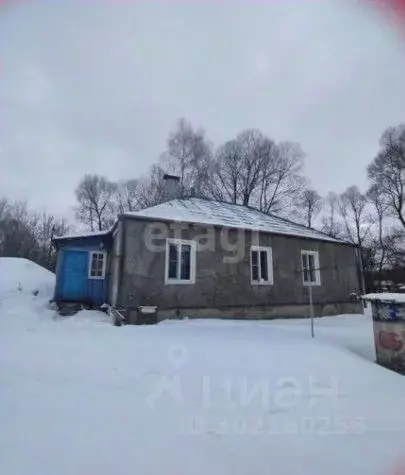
(282, 178)
(357, 222)
(253, 170)
(395, 246)
(255, 149)
(330, 219)
(17, 239)
(4, 207)
(228, 172)
(45, 227)
(381, 242)
(310, 205)
(28, 234)
(387, 171)
(353, 207)
(95, 196)
(151, 190)
(188, 155)
(387, 240)
(17, 233)
(128, 195)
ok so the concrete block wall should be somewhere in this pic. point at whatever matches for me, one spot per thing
(225, 288)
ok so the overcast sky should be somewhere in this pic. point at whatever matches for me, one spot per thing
(93, 87)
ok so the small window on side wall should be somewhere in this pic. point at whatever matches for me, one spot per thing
(180, 262)
(311, 273)
(97, 265)
(261, 265)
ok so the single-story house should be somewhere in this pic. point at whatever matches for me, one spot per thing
(195, 257)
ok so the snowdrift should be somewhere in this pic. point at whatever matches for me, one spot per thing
(188, 397)
(18, 275)
(385, 296)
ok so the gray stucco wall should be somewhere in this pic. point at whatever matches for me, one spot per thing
(112, 263)
(225, 287)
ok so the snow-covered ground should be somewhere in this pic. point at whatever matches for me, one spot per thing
(79, 396)
(23, 277)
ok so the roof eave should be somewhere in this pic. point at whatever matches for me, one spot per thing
(125, 216)
(103, 234)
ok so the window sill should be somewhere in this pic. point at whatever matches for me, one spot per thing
(311, 284)
(179, 282)
(96, 278)
(260, 284)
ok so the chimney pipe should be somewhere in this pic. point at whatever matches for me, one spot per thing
(171, 187)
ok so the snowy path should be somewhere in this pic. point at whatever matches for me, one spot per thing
(81, 397)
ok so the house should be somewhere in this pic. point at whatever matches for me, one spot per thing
(82, 268)
(202, 258)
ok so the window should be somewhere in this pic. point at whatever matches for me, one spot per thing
(97, 265)
(311, 274)
(261, 264)
(180, 262)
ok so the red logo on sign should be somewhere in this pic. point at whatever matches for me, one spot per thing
(390, 341)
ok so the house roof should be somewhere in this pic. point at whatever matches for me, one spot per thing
(84, 235)
(216, 213)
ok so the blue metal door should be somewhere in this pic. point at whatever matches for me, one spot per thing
(74, 275)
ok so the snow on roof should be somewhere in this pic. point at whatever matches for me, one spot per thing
(85, 234)
(385, 296)
(216, 213)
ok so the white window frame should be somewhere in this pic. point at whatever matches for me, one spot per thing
(269, 252)
(193, 262)
(317, 269)
(94, 277)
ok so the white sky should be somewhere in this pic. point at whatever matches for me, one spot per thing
(96, 87)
